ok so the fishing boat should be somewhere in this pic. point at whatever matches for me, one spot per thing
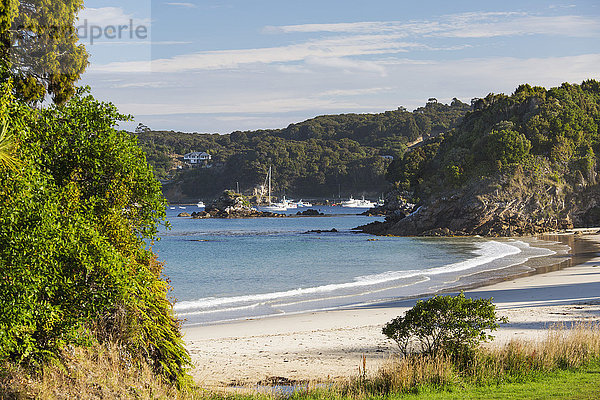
(362, 203)
(303, 204)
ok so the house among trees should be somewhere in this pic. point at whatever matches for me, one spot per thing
(197, 158)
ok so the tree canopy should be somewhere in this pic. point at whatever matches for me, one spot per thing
(40, 53)
(553, 130)
(319, 157)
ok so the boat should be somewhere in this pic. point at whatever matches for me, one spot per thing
(281, 206)
(289, 203)
(181, 208)
(353, 203)
(303, 204)
(200, 204)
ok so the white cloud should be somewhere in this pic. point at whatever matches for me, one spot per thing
(184, 5)
(144, 84)
(408, 84)
(109, 16)
(567, 25)
(273, 105)
(332, 49)
(465, 25)
(355, 92)
(347, 64)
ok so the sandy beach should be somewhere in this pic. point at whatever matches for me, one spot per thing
(328, 345)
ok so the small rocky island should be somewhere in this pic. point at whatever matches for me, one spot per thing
(232, 205)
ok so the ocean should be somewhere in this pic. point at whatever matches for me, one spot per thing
(229, 269)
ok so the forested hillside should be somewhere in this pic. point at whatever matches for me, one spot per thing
(522, 163)
(321, 157)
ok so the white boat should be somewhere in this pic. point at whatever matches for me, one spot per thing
(200, 204)
(303, 204)
(281, 206)
(276, 207)
(353, 203)
(181, 208)
(289, 203)
(349, 203)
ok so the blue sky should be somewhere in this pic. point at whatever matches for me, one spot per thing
(219, 65)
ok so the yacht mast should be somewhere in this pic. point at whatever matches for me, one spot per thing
(269, 185)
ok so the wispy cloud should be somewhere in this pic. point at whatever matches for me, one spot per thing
(355, 92)
(465, 25)
(110, 16)
(464, 78)
(184, 5)
(323, 52)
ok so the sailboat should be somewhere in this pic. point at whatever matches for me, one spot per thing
(282, 206)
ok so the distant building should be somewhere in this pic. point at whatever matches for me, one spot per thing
(391, 158)
(197, 158)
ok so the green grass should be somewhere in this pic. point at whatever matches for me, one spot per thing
(573, 385)
(584, 384)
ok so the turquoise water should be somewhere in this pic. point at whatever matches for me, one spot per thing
(223, 269)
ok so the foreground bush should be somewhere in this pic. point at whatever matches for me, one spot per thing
(74, 218)
(450, 325)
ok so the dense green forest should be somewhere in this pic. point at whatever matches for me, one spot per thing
(526, 162)
(320, 157)
(534, 127)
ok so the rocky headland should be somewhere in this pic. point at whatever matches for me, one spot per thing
(517, 165)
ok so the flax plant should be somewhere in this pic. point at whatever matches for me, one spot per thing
(8, 147)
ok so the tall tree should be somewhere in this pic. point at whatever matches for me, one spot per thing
(39, 48)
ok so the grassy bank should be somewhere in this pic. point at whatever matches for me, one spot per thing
(566, 365)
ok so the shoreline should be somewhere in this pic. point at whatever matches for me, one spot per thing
(324, 345)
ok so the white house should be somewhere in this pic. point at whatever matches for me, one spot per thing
(391, 158)
(197, 157)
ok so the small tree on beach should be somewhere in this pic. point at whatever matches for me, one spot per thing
(453, 325)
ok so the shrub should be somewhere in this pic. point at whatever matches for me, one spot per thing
(507, 146)
(74, 217)
(451, 325)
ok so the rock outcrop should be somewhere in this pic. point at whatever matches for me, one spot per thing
(309, 213)
(513, 207)
(232, 205)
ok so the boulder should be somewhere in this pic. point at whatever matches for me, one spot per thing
(310, 212)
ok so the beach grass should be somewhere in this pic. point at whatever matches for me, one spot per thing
(565, 365)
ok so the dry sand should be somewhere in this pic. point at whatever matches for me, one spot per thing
(326, 345)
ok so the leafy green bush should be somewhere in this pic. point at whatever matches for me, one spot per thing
(450, 325)
(507, 146)
(74, 218)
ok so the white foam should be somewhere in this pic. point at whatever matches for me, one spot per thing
(485, 253)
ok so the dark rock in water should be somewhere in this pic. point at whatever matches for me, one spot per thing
(201, 215)
(322, 231)
(309, 212)
(183, 214)
(232, 205)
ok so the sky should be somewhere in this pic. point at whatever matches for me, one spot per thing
(217, 66)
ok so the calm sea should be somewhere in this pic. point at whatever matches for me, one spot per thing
(224, 269)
